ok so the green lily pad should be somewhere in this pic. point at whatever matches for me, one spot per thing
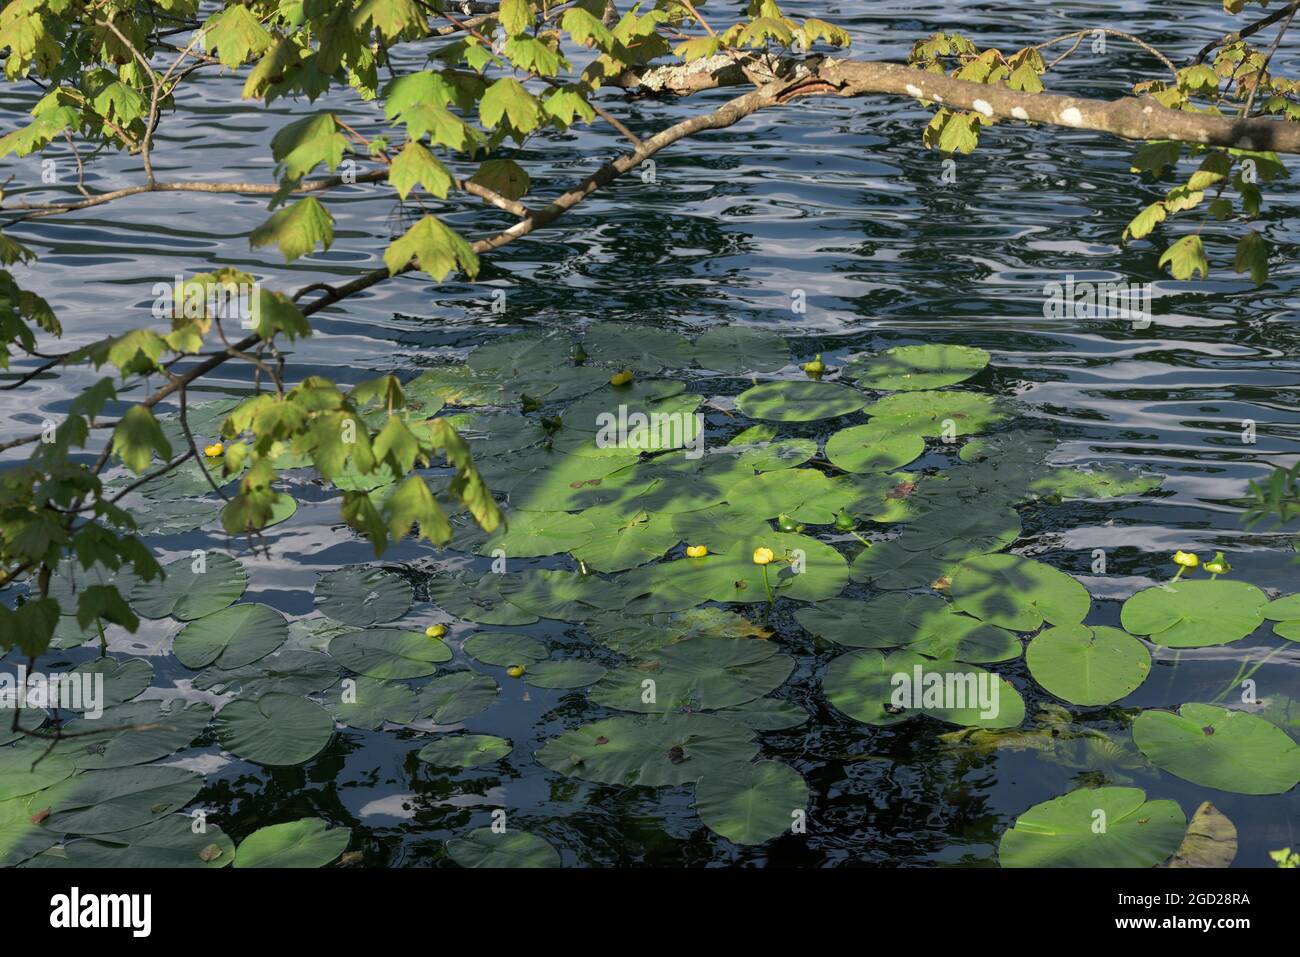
(187, 594)
(790, 400)
(1086, 665)
(873, 447)
(276, 729)
(720, 528)
(805, 569)
(740, 350)
(656, 751)
(1217, 748)
(288, 671)
(1195, 614)
(306, 843)
(1018, 593)
(362, 596)
(100, 802)
(866, 685)
(503, 649)
(618, 543)
(368, 703)
(889, 621)
(537, 534)
(465, 750)
(389, 653)
(523, 352)
(805, 495)
(476, 598)
(231, 638)
(568, 673)
(485, 848)
(641, 347)
(169, 842)
(962, 531)
(19, 777)
(935, 414)
(892, 567)
(771, 456)
(20, 836)
(751, 803)
(452, 698)
(699, 674)
(552, 593)
(767, 714)
(149, 730)
(123, 680)
(1100, 827)
(911, 368)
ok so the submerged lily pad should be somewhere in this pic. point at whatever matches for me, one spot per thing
(1018, 593)
(188, 594)
(305, 843)
(465, 750)
(1101, 827)
(1217, 748)
(739, 350)
(699, 674)
(1195, 614)
(1211, 840)
(790, 400)
(751, 803)
(362, 596)
(276, 729)
(486, 848)
(912, 368)
(1086, 665)
(453, 698)
(653, 751)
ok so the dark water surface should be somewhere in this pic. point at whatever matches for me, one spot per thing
(836, 198)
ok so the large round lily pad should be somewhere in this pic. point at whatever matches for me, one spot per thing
(389, 653)
(146, 731)
(799, 401)
(99, 802)
(1086, 665)
(276, 729)
(751, 803)
(1229, 750)
(1018, 593)
(880, 690)
(504, 648)
(191, 589)
(305, 843)
(464, 750)
(937, 414)
(1099, 827)
(452, 698)
(477, 599)
(1195, 614)
(697, 674)
(169, 842)
(912, 368)
(369, 702)
(650, 751)
(231, 638)
(874, 447)
(737, 350)
(362, 596)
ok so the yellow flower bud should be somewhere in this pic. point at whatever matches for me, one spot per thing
(435, 631)
(515, 671)
(696, 551)
(622, 377)
(214, 450)
(764, 556)
(1186, 559)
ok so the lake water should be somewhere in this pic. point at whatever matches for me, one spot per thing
(838, 199)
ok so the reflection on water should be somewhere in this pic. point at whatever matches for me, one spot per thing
(834, 198)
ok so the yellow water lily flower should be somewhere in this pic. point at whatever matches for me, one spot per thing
(1186, 559)
(214, 450)
(515, 671)
(622, 377)
(435, 631)
(764, 556)
(1217, 565)
(696, 551)
(816, 367)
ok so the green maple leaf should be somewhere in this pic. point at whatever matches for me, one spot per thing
(299, 147)
(508, 98)
(236, 35)
(415, 165)
(137, 436)
(296, 229)
(435, 248)
(1252, 256)
(1185, 257)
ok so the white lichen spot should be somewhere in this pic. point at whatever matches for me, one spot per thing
(1246, 144)
(1072, 117)
(913, 90)
(982, 106)
(1019, 113)
(1146, 109)
(937, 97)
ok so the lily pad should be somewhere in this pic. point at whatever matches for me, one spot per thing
(306, 843)
(873, 447)
(936, 414)
(100, 802)
(22, 837)
(641, 347)
(289, 671)
(911, 368)
(389, 653)
(21, 773)
(962, 531)
(740, 350)
(1195, 614)
(568, 673)
(536, 534)
(767, 714)
(790, 400)
(368, 703)
(805, 495)
(1211, 840)
(453, 698)
(751, 803)
(1217, 748)
(123, 680)
(476, 598)
(1100, 827)
(619, 543)
(149, 730)
(805, 569)
(771, 456)
(486, 848)
(362, 596)
(188, 594)
(653, 751)
(1018, 593)
(699, 674)
(276, 729)
(1086, 665)
(523, 352)
(231, 638)
(504, 649)
(465, 750)
(879, 690)
(169, 842)
(890, 566)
